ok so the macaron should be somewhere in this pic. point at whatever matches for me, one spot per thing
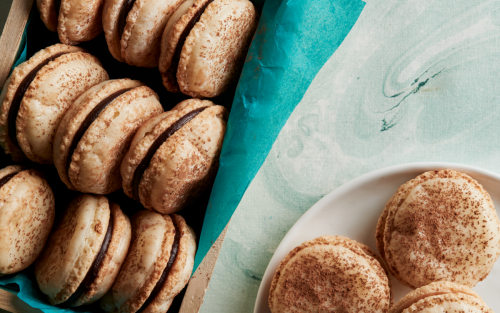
(26, 217)
(330, 274)
(174, 156)
(204, 45)
(133, 29)
(158, 265)
(96, 132)
(74, 20)
(439, 226)
(85, 252)
(441, 297)
(38, 93)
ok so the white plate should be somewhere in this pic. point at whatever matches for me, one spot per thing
(353, 209)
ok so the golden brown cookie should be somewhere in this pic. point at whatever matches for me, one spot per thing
(440, 226)
(330, 273)
(26, 217)
(96, 132)
(84, 254)
(174, 156)
(157, 267)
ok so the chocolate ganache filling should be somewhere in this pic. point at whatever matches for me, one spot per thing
(19, 95)
(91, 117)
(95, 267)
(6, 178)
(122, 16)
(141, 168)
(166, 271)
(185, 33)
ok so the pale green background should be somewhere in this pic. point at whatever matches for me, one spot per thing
(415, 80)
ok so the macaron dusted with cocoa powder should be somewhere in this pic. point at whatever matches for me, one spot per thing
(38, 93)
(331, 274)
(133, 29)
(174, 156)
(74, 20)
(204, 46)
(96, 132)
(27, 212)
(85, 252)
(158, 265)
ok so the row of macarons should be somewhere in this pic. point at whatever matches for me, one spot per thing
(198, 45)
(438, 234)
(60, 107)
(95, 251)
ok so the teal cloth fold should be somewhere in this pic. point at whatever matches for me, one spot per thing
(293, 41)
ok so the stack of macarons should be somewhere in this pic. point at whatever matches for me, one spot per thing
(439, 233)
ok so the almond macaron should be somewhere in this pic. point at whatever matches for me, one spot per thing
(441, 297)
(204, 45)
(330, 274)
(38, 93)
(74, 20)
(27, 212)
(174, 156)
(96, 132)
(133, 29)
(439, 226)
(158, 265)
(85, 252)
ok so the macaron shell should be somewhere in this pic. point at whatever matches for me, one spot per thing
(337, 260)
(379, 231)
(216, 47)
(79, 20)
(53, 90)
(152, 239)
(11, 86)
(433, 289)
(73, 247)
(110, 14)
(10, 169)
(447, 215)
(171, 37)
(27, 210)
(449, 303)
(48, 13)
(185, 163)
(95, 166)
(141, 37)
(181, 270)
(115, 256)
(75, 116)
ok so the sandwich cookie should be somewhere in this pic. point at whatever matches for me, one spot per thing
(97, 130)
(74, 20)
(440, 226)
(175, 155)
(441, 297)
(37, 94)
(26, 217)
(204, 46)
(133, 29)
(330, 274)
(157, 267)
(84, 254)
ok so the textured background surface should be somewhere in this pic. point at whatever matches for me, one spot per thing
(413, 81)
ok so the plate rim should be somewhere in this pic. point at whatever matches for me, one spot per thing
(379, 173)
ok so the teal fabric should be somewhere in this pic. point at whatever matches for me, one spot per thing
(293, 41)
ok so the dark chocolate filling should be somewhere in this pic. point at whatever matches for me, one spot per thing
(141, 168)
(6, 178)
(95, 267)
(166, 271)
(18, 96)
(122, 16)
(184, 35)
(89, 120)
